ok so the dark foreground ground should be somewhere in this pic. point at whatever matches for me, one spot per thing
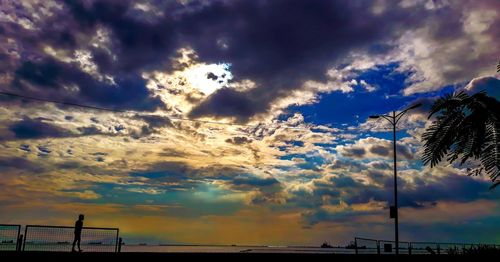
(238, 257)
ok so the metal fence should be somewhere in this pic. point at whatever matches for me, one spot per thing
(9, 237)
(60, 239)
(389, 247)
(425, 248)
(366, 246)
(381, 247)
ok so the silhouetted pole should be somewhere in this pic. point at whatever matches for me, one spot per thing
(394, 119)
(120, 243)
(396, 222)
(19, 243)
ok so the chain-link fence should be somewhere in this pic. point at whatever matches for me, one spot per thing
(374, 246)
(389, 247)
(421, 248)
(60, 239)
(366, 246)
(464, 248)
(9, 237)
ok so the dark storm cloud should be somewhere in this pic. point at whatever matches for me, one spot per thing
(333, 188)
(53, 78)
(402, 150)
(135, 45)
(90, 130)
(420, 192)
(36, 128)
(380, 150)
(155, 121)
(277, 44)
(280, 44)
(250, 180)
(370, 148)
(452, 187)
(21, 164)
(349, 164)
(355, 152)
(40, 128)
(138, 45)
(227, 102)
(239, 140)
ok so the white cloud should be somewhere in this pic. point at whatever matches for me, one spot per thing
(437, 60)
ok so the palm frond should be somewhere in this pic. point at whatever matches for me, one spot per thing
(490, 157)
(466, 127)
(440, 136)
(448, 102)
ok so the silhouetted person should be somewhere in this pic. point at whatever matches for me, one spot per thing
(78, 233)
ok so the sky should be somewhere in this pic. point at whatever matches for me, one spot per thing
(241, 122)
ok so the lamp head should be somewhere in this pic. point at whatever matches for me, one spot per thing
(374, 117)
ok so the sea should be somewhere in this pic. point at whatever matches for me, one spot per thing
(233, 249)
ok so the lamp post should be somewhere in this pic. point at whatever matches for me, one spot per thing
(394, 119)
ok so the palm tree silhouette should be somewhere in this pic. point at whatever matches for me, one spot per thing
(466, 127)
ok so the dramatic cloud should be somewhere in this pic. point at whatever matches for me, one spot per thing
(100, 51)
(36, 128)
(488, 84)
(313, 45)
(239, 121)
(375, 148)
(454, 46)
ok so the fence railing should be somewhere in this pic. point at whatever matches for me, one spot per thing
(381, 247)
(9, 237)
(60, 239)
(366, 246)
(389, 247)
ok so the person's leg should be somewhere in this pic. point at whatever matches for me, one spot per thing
(79, 249)
(73, 248)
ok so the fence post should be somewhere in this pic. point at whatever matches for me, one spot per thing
(25, 236)
(120, 242)
(19, 236)
(116, 241)
(19, 243)
(378, 247)
(409, 248)
(438, 249)
(356, 245)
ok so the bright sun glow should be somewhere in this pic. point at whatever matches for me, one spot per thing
(208, 77)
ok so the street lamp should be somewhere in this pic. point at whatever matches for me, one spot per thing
(394, 119)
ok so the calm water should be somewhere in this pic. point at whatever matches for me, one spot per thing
(233, 249)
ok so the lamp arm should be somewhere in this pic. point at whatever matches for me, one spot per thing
(389, 118)
(399, 116)
(402, 112)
